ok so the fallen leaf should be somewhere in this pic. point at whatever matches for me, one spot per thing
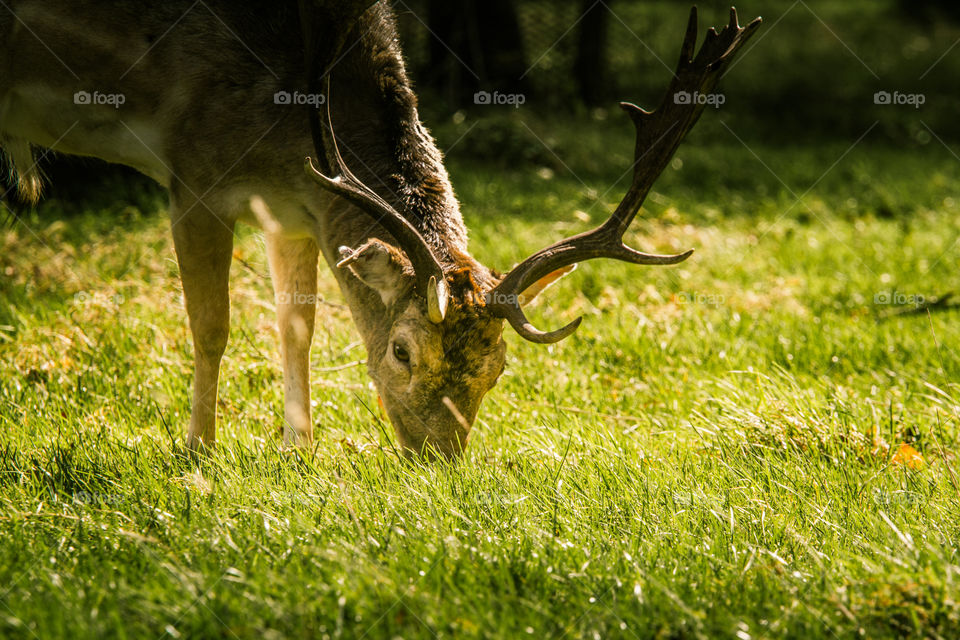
(908, 456)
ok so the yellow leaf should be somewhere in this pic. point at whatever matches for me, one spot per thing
(908, 456)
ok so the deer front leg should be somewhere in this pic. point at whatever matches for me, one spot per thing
(204, 247)
(293, 267)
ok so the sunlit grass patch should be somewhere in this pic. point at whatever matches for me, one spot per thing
(749, 443)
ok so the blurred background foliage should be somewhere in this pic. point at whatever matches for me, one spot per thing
(807, 79)
(812, 69)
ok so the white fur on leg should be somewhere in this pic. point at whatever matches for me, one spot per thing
(293, 267)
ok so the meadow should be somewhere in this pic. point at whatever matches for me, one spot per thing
(758, 443)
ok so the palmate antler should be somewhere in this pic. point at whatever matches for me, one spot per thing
(659, 133)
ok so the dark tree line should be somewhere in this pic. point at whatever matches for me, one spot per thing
(930, 10)
(478, 45)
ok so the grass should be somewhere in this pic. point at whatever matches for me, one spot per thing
(714, 454)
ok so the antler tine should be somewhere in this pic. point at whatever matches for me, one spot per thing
(430, 280)
(659, 133)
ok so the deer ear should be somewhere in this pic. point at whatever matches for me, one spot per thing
(534, 290)
(380, 266)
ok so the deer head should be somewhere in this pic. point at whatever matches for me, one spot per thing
(431, 369)
(440, 348)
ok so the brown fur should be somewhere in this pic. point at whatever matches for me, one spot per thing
(201, 119)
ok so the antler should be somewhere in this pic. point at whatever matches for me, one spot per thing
(659, 133)
(430, 281)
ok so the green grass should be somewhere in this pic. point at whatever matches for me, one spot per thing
(711, 455)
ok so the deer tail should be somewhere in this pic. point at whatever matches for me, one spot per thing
(22, 168)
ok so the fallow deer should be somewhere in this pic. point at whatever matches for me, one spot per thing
(201, 103)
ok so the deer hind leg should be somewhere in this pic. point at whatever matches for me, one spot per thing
(204, 245)
(293, 267)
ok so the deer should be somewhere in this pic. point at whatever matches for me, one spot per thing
(196, 94)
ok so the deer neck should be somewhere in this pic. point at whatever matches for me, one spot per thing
(383, 142)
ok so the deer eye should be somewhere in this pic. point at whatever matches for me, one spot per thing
(400, 352)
